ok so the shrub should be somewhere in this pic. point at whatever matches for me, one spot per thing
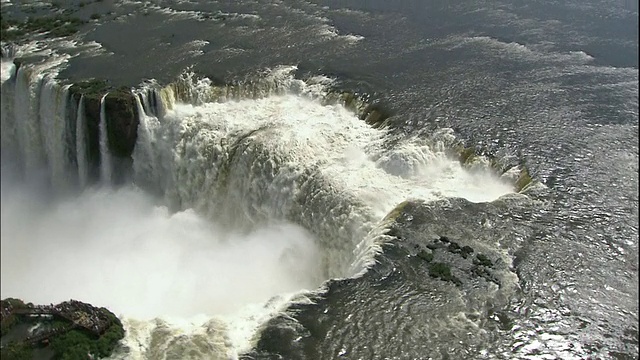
(483, 260)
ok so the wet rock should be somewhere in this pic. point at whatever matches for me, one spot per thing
(122, 122)
(465, 251)
(443, 271)
(523, 180)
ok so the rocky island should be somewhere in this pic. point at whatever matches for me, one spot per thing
(68, 330)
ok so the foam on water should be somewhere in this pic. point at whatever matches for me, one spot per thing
(269, 196)
(118, 249)
(289, 157)
(306, 134)
(6, 70)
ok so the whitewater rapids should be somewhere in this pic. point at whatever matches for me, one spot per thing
(235, 208)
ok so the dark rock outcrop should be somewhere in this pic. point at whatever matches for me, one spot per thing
(122, 124)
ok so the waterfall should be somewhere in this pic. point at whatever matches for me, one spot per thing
(81, 146)
(277, 153)
(105, 155)
(7, 89)
(27, 121)
(53, 122)
(146, 167)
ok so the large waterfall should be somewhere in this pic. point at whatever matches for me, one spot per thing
(241, 199)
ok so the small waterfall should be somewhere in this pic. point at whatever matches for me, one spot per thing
(81, 146)
(105, 155)
(7, 89)
(53, 115)
(27, 119)
(8, 51)
(147, 175)
(146, 97)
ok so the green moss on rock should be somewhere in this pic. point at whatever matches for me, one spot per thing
(523, 180)
(483, 260)
(425, 255)
(74, 330)
(465, 251)
(393, 214)
(465, 154)
(376, 115)
(92, 88)
(442, 271)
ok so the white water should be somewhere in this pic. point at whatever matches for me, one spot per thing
(53, 121)
(116, 248)
(26, 113)
(252, 160)
(6, 70)
(240, 173)
(7, 127)
(81, 149)
(105, 154)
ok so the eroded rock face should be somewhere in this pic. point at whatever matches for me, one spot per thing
(122, 122)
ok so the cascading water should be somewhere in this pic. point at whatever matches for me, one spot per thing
(8, 131)
(53, 114)
(270, 193)
(28, 83)
(105, 154)
(81, 148)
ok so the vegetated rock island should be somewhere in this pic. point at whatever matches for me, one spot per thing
(68, 330)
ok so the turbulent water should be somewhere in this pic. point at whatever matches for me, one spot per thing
(261, 216)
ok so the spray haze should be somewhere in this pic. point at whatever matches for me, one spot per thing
(119, 249)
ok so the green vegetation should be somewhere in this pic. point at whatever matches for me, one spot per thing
(76, 344)
(349, 100)
(376, 115)
(16, 351)
(443, 271)
(425, 255)
(8, 321)
(397, 211)
(96, 88)
(454, 248)
(91, 88)
(465, 251)
(51, 26)
(7, 324)
(483, 260)
(65, 341)
(466, 154)
(523, 180)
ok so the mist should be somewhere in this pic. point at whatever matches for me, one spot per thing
(118, 248)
